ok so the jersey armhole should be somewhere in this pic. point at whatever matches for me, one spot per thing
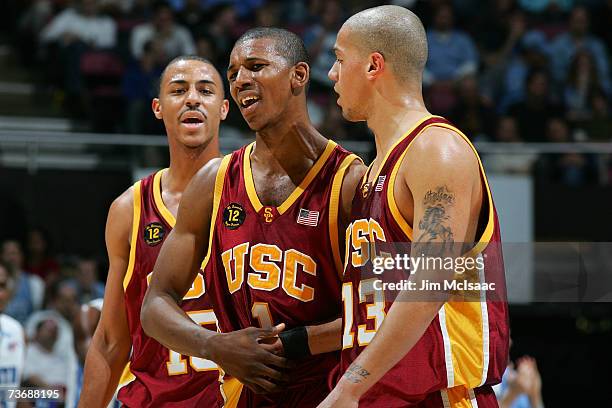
(334, 209)
(219, 182)
(134, 237)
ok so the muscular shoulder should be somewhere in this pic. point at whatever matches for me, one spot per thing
(206, 176)
(120, 214)
(352, 177)
(440, 152)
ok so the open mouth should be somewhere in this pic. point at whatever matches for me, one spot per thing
(192, 120)
(248, 101)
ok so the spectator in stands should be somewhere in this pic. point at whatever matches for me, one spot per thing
(139, 87)
(319, 40)
(473, 113)
(191, 15)
(87, 278)
(452, 53)
(582, 82)
(176, 39)
(81, 24)
(223, 20)
(521, 163)
(12, 344)
(40, 261)
(599, 126)
(566, 45)
(521, 387)
(62, 309)
(572, 169)
(70, 34)
(531, 54)
(29, 289)
(538, 6)
(536, 108)
(45, 367)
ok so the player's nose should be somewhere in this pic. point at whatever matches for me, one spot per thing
(333, 74)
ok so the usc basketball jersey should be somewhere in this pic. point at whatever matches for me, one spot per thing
(467, 342)
(269, 265)
(158, 376)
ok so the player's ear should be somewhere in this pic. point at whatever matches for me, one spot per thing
(156, 106)
(224, 109)
(301, 75)
(376, 65)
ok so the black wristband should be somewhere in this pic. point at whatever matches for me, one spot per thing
(295, 342)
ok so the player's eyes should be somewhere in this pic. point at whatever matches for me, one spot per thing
(257, 67)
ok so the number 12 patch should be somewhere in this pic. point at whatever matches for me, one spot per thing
(233, 216)
(154, 233)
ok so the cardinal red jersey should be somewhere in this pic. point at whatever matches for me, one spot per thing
(465, 349)
(271, 265)
(160, 377)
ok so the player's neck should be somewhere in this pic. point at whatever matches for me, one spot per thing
(290, 146)
(392, 117)
(185, 163)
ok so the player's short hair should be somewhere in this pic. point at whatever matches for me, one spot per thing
(188, 58)
(288, 44)
(396, 33)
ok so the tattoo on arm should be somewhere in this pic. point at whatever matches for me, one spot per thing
(436, 205)
(356, 373)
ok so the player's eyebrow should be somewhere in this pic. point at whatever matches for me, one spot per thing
(249, 59)
(183, 82)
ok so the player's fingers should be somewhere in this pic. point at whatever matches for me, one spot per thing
(272, 331)
(272, 373)
(274, 360)
(267, 386)
(275, 347)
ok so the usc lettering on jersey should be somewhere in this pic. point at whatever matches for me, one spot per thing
(467, 342)
(269, 265)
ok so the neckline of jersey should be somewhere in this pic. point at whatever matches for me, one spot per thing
(159, 201)
(296, 193)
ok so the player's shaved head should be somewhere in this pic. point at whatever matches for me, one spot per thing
(396, 33)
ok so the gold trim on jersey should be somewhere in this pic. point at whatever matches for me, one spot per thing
(219, 181)
(397, 142)
(126, 376)
(295, 194)
(135, 227)
(401, 221)
(159, 201)
(334, 207)
(466, 323)
(231, 390)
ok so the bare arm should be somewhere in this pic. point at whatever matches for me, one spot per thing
(238, 353)
(438, 159)
(110, 346)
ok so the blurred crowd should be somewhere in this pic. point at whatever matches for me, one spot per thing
(53, 299)
(502, 70)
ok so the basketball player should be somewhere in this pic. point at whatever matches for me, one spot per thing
(12, 342)
(431, 190)
(270, 234)
(191, 103)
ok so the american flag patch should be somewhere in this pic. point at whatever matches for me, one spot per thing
(380, 183)
(307, 217)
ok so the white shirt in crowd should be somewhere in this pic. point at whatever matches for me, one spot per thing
(99, 31)
(12, 351)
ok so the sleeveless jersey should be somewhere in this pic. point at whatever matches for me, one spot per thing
(467, 342)
(270, 265)
(158, 376)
